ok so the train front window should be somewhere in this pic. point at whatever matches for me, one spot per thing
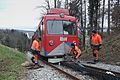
(61, 27)
(69, 28)
(54, 27)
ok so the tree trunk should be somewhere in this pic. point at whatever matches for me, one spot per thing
(96, 13)
(103, 16)
(84, 29)
(66, 4)
(108, 30)
(54, 3)
(81, 16)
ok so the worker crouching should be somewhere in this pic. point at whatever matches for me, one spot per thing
(75, 51)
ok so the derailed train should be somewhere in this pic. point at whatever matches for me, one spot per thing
(57, 30)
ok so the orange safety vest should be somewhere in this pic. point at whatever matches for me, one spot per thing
(76, 50)
(96, 39)
(36, 45)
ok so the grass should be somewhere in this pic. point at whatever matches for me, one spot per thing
(10, 63)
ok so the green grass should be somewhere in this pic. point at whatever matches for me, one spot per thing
(10, 63)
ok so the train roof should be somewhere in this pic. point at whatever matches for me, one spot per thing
(56, 16)
(57, 11)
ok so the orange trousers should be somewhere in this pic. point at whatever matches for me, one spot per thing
(96, 53)
(36, 57)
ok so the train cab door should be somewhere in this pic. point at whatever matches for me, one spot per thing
(41, 34)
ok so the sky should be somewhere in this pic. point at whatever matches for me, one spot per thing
(20, 14)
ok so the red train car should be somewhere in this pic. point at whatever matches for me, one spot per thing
(57, 30)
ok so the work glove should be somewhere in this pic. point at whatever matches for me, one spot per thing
(74, 57)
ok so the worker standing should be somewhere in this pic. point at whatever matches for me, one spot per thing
(35, 49)
(96, 42)
(75, 50)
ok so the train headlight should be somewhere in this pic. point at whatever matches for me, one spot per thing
(62, 15)
(51, 42)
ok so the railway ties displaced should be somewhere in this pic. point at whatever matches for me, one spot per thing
(99, 73)
(73, 71)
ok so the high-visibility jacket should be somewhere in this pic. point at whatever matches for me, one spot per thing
(36, 45)
(96, 39)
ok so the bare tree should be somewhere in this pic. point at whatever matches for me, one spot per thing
(48, 4)
(66, 4)
(84, 28)
(58, 3)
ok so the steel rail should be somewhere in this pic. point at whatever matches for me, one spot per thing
(71, 76)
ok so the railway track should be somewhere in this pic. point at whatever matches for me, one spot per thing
(100, 74)
(62, 71)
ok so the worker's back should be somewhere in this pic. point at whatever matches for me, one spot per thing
(96, 39)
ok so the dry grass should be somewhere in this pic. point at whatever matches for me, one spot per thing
(110, 52)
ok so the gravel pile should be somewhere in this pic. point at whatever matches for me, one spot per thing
(46, 73)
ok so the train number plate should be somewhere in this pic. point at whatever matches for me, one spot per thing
(63, 38)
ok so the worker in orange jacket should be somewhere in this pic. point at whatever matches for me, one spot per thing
(35, 49)
(96, 42)
(75, 50)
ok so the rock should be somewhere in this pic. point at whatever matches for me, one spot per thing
(118, 63)
(25, 64)
(1, 60)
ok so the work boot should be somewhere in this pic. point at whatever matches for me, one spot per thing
(33, 59)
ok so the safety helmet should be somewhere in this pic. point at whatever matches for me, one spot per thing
(74, 42)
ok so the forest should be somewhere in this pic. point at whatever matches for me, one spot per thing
(15, 39)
